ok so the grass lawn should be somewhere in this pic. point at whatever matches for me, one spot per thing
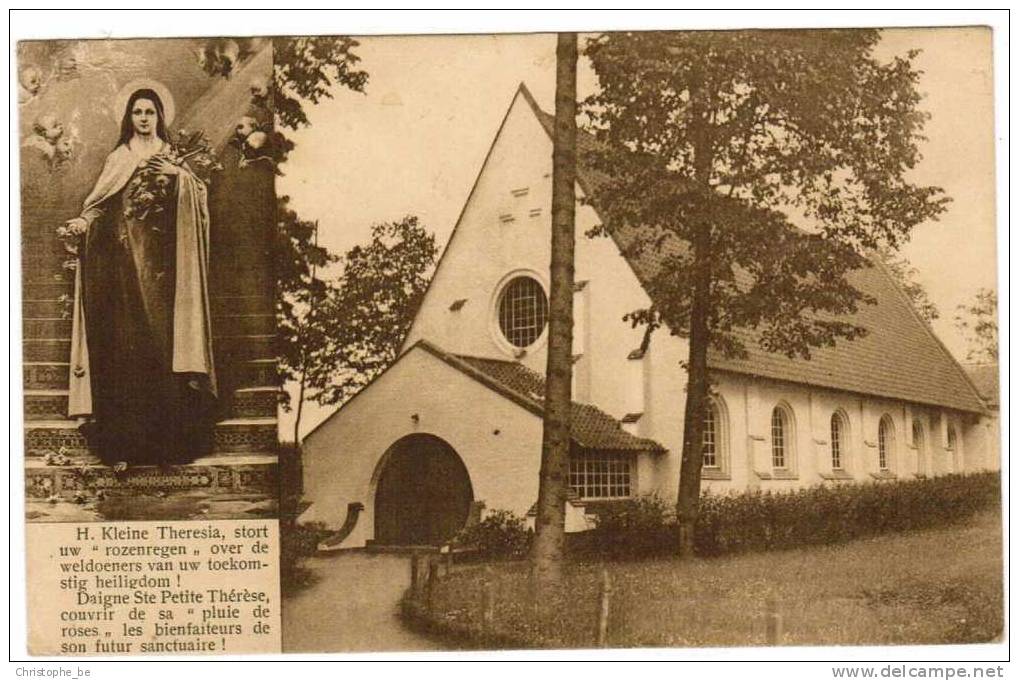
(934, 586)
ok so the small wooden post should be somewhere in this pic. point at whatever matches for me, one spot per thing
(415, 574)
(449, 561)
(773, 621)
(487, 608)
(605, 595)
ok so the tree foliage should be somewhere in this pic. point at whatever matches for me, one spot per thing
(749, 171)
(308, 69)
(978, 322)
(805, 140)
(359, 327)
(301, 290)
(305, 70)
(906, 276)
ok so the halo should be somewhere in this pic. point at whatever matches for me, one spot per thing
(120, 101)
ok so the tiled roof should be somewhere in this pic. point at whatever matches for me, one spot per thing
(985, 378)
(899, 357)
(590, 427)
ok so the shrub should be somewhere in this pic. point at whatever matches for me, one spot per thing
(632, 528)
(297, 542)
(760, 521)
(502, 535)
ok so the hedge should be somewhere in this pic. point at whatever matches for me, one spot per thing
(764, 521)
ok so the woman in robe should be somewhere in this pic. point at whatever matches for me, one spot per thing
(142, 375)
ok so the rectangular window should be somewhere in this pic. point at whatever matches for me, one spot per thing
(601, 475)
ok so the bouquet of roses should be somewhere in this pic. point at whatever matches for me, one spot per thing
(151, 191)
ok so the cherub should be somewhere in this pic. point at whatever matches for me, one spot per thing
(46, 131)
(29, 83)
(245, 126)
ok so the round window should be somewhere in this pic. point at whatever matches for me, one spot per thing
(523, 311)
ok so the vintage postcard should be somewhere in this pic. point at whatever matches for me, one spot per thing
(663, 339)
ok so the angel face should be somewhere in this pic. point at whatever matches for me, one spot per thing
(65, 148)
(49, 127)
(144, 117)
(245, 127)
(259, 88)
(31, 79)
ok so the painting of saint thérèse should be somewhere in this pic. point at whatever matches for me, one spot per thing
(141, 352)
(146, 221)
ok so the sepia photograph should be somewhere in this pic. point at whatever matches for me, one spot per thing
(405, 342)
(650, 339)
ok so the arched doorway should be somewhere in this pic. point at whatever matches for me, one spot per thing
(423, 494)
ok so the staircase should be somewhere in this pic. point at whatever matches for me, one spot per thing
(60, 469)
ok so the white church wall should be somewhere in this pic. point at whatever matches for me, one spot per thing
(505, 230)
(498, 441)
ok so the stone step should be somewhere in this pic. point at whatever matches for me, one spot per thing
(51, 256)
(48, 290)
(221, 305)
(255, 402)
(238, 348)
(243, 283)
(46, 349)
(252, 314)
(50, 405)
(45, 405)
(53, 375)
(226, 325)
(246, 347)
(255, 304)
(45, 309)
(45, 375)
(49, 327)
(214, 474)
(243, 324)
(35, 274)
(233, 436)
(256, 373)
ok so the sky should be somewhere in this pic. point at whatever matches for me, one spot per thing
(413, 144)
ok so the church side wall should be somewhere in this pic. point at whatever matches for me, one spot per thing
(745, 406)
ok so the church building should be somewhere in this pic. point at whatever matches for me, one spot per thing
(453, 428)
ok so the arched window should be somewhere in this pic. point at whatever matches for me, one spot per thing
(780, 438)
(709, 439)
(885, 442)
(523, 311)
(715, 440)
(952, 451)
(838, 441)
(920, 442)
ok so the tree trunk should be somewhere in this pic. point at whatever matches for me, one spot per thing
(698, 381)
(696, 397)
(300, 408)
(550, 524)
(312, 306)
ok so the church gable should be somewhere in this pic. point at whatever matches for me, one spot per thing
(501, 245)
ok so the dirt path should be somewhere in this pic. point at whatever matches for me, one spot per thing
(352, 607)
